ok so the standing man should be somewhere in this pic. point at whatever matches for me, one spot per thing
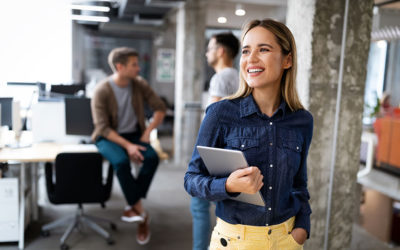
(120, 133)
(221, 51)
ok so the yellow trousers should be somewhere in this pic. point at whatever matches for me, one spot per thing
(241, 237)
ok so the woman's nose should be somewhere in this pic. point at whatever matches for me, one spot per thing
(253, 57)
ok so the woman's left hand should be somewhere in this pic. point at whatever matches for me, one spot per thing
(299, 235)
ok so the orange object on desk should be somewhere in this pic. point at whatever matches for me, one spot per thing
(388, 133)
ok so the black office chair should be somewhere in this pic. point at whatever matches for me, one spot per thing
(78, 180)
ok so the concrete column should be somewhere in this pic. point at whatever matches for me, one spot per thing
(333, 41)
(190, 53)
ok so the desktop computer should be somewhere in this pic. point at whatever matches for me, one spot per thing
(65, 121)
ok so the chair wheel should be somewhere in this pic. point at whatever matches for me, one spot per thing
(110, 241)
(64, 246)
(113, 226)
(45, 233)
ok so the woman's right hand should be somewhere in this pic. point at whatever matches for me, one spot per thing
(246, 180)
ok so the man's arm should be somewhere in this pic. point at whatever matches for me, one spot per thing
(156, 104)
(158, 117)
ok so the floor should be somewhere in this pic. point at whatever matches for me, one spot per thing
(168, 205)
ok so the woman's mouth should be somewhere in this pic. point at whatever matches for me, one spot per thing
(254, 71)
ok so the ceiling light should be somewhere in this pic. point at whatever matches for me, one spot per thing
(103, 19)
(90, 8)
(221, 19)
(239, 10)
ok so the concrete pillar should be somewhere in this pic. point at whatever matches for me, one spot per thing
(190, 54)
(333, 40)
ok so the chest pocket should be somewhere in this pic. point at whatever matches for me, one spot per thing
(249, 147)
(242, 144)
(293, 150)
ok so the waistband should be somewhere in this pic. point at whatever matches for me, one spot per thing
(239, 231)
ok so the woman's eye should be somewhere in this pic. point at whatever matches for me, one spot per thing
(264, 49)
(245, 51)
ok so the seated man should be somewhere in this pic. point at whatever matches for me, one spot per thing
(120, 133)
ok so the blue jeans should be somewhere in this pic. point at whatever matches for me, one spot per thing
(201, 223)
(133, 189)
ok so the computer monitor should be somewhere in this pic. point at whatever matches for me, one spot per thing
(6, 111)
(78, 116)
(72, 89)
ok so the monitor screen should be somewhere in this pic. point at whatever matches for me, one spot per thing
(6, 111)
(78, 116)
(72, 89)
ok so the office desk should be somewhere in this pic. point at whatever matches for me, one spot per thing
(32, 156)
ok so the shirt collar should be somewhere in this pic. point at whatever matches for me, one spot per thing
(248, 107)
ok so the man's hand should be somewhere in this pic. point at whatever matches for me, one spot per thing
(299, 235)
(145, 136)
(134, 153)
(247, 180)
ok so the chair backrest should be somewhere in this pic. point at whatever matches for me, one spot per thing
(78, 179)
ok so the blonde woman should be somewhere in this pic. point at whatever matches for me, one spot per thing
(266, 120)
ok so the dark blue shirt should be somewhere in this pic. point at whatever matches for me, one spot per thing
(277, 145)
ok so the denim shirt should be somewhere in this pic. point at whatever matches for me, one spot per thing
(277, 145)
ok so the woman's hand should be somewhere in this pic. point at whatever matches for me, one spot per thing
(299, 235)
(246, 180)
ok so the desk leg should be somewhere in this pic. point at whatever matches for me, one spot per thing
(34, 185)
(21, 207)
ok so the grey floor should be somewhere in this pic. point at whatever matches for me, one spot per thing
(168, 205)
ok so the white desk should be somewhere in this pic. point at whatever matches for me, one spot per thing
(31, 156)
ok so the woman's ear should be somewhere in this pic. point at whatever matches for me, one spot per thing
(287, 64)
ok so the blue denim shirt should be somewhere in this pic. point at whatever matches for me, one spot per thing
(277, 145)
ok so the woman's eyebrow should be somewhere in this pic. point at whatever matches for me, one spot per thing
(259, 45)
(265, 44)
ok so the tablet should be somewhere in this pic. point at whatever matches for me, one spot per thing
(222, 162)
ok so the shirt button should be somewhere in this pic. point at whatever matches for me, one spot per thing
(267, 225)
(270, 123)
(242, 146)
(297, 148)
(269, 209)
(270, 187)
(270, 143)
(271, 165)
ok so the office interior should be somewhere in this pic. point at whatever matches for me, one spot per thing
(53, 53)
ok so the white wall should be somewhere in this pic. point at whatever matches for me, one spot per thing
(35, 41)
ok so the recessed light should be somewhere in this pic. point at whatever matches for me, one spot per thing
(222, 19)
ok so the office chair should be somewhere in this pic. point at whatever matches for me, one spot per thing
(78, 180)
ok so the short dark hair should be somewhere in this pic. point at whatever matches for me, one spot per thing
(229, 42)
(120, 55)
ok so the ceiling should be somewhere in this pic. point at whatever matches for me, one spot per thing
(149, 15)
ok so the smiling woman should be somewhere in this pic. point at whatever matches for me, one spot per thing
(266, 121)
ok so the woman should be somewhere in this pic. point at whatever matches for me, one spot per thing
(266, 121)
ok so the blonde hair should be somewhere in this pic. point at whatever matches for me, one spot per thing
(286, 41)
